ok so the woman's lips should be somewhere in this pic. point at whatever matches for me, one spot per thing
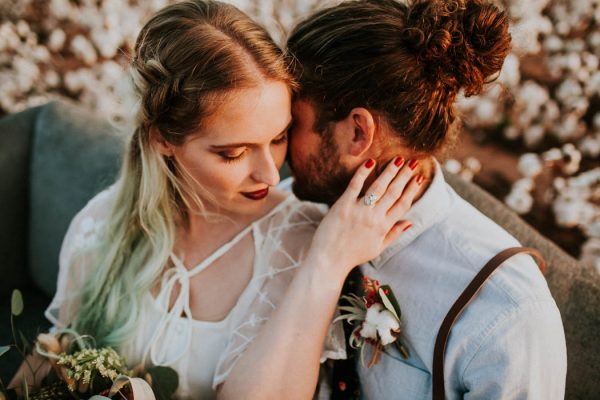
(258, 195)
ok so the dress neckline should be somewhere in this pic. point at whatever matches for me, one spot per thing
(218, 252)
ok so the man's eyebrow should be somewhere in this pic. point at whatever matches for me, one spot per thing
(247, 144)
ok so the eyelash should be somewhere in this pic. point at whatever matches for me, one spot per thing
(231, 159)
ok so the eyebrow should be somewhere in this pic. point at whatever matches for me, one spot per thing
(246, 144)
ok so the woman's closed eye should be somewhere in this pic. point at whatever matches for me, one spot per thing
(231, 156)
(238, 154)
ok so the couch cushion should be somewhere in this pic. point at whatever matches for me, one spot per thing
(15, 134)
(75, 154)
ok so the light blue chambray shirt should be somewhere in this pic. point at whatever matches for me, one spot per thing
(509, 342)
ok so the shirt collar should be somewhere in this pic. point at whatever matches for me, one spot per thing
(431, 208)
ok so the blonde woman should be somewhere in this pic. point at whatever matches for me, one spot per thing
(193, 259)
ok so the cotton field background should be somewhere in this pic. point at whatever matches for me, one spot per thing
(532, 139)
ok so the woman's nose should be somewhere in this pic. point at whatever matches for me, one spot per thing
(265, 169)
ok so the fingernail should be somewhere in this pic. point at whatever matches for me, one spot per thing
(370, 162)
(412, 164)
(399, 161)
(420, 179)
(406, 228)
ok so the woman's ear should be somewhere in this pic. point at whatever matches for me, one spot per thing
(159, 143)
(363, 125)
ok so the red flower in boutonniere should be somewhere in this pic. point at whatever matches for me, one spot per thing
(376, 317)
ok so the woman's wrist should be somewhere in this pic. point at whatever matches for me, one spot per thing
(325, 273)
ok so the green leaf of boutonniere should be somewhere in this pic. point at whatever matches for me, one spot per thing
(390, 299)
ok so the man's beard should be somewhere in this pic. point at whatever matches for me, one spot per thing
(322, 179)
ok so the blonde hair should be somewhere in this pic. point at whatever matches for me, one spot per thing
(188, 57)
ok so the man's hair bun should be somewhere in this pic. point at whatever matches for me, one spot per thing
(459, 43)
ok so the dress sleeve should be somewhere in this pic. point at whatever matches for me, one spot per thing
(282, 243)
(76, 257)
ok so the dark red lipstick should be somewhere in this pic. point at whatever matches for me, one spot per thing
(258, 195)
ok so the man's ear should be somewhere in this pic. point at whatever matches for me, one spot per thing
(159, 143)
(362, 122)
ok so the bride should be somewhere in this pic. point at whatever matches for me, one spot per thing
(193, 258)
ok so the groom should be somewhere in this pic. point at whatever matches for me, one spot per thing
(377, 79)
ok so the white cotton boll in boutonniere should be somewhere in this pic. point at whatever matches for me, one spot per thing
(380, 321)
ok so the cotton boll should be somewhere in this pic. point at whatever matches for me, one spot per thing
(551, 112)
(534, 135)
(572, 158)
(590, 145)
(590, 253)
(568, 212)
(56, 41)
(590, 61)
(512, 133)
(60, 9)
(52, 79)
(568, 89)
(570, 128)
(84, 50)
(453, 166)
(486, 113)
(519, 201)
(28, 73)
(592, 86)
(510, 75)
(594, 40)
(523, 184)
(530, 165)
(23, 29)
(553, 43)
(473, 164)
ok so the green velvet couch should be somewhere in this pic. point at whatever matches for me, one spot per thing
(55, 157)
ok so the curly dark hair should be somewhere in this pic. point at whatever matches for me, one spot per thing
(406, 62)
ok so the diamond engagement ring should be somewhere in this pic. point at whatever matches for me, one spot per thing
(370, 199)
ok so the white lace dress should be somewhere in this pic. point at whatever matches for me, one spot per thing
(202, 352)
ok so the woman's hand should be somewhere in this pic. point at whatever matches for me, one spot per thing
(354, 232)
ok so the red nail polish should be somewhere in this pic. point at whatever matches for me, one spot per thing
(420, 179)
(370, 163)
(399, 161)
(406, 228)
(412, 164)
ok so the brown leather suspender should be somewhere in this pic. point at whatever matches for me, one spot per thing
(461, 303)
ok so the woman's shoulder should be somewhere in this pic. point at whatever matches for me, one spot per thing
(291, 210)
(88, 222)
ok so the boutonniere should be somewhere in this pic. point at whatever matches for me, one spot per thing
(376, 320)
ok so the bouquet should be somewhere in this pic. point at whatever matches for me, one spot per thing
(80, 370)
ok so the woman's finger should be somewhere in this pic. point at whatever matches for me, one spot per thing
(397, 187)
(358, 180)
(402, 205)
(397, 230)
(378, 188)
